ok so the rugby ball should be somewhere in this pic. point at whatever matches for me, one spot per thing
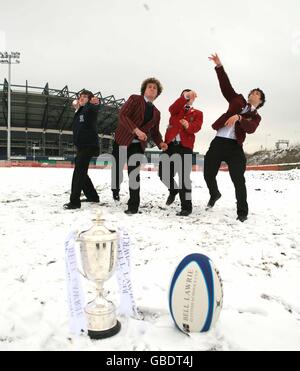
(196, 294)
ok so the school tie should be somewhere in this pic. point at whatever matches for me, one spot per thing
(246, 109)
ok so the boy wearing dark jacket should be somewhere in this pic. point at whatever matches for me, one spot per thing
(86, 140)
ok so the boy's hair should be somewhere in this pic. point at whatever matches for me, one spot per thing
(151, 80)
(185, 91)
(262, 95)
(86, 92)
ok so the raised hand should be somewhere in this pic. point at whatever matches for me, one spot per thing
(95, 101)
(191, 95)
(75, 104)
(215, 58)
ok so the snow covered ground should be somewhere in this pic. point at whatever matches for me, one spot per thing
(259, 261)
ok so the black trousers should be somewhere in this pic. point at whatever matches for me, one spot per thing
(132, 155)
(169, 167)
(81, 181)
(229, 151)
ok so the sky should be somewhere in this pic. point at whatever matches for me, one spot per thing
(112, 46)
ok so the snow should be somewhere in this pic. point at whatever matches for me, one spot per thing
(259, 261)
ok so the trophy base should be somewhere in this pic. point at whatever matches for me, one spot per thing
(99, 335)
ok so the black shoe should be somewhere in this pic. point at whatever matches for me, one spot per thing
(213, 200)
(171, 199)
(242, 218)
(184, 213)
(131, 212)
(90, 200)
(116, 195)
(71, 206)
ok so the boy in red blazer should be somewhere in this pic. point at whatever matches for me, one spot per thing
(241, 118)
(185, 122)
(138, 120)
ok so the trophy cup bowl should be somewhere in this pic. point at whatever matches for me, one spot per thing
(98, 249)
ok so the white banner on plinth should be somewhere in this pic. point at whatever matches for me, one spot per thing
(78, 322)
(128, 305)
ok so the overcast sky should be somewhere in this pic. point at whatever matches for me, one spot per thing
(113, 45)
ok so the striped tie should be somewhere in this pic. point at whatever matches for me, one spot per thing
(246, 109)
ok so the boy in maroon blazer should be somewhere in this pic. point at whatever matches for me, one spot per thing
(138, 120)
(185, 122)
(241, 118)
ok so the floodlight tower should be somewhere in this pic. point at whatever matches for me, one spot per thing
(9, 58)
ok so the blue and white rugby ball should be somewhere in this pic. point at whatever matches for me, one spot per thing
(196, 294)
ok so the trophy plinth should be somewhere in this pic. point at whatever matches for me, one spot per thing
(98, 247)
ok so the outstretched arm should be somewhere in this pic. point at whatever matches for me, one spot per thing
(94, 104)
(225, 85)
(93, 109)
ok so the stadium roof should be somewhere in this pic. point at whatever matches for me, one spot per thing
(46, 109)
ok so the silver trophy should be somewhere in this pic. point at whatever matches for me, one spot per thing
(98, 248)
